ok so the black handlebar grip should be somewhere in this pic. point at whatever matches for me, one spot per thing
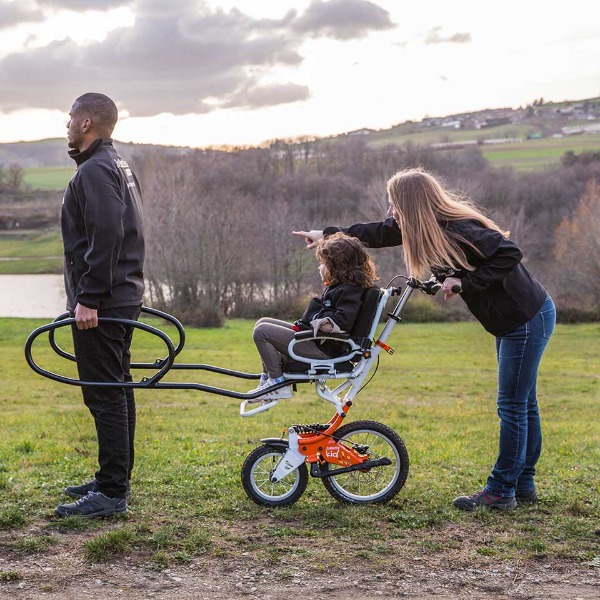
(456, 289)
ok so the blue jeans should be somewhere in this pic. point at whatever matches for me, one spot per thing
(519, 355)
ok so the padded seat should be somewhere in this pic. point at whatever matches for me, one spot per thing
(359, 334)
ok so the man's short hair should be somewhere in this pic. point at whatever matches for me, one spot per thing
(100, 108)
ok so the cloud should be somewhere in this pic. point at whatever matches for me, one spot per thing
(267, 95)
(83, 5)
(434, 37)
(342, 19)
(32, 11)
(182, 57)
(13, 13)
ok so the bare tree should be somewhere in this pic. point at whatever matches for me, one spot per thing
(577, 251)
(14, 177)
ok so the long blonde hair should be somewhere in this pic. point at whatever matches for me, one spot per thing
(423, 207)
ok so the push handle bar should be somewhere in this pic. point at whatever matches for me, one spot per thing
(163, 365)
(145, 310)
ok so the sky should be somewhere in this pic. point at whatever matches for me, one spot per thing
(242, 72)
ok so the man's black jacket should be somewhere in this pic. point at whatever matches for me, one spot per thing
(102, 231)
(500, 292)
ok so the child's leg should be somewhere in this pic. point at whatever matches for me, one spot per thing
(273, 322)
(270, 321)
(272, 338)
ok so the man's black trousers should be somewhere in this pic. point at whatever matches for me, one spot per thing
(103, 354)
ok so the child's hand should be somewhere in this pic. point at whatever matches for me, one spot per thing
(310, 237)
(326, 327)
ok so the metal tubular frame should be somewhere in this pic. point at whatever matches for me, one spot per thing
(316, 369)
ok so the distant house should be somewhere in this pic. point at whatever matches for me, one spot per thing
(451, 124)
(495, 121)
(430, 122)
(363, 131)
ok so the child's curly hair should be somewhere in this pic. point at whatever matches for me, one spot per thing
(347, 260)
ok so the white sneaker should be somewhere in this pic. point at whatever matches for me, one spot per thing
(261, 384)
(279, 394)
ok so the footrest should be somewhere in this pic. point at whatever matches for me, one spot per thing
(259, 408)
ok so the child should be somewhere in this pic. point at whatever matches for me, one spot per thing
(346, 270)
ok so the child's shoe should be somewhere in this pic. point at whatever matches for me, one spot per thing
(278, 394)
(261, 384)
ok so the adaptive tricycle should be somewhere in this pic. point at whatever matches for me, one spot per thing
(360, 462)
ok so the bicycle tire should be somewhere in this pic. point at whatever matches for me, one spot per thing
(378, 484)
(256, 471)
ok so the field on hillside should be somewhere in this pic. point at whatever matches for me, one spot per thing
(529, 154)
(47, 178)
(190, 515)
(534, 154)
(24, 252)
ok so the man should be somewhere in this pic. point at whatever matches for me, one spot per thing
(104, 255)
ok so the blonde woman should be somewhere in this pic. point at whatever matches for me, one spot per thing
(448, 235)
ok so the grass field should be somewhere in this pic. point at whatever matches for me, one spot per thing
(530, 154)
(47, 178)
(30, 252)
(437, 392)
(534, 154)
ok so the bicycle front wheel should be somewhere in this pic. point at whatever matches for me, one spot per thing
(256, 478)
(374, 485)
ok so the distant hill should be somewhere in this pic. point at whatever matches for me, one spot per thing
(53, 152)
(535, 121)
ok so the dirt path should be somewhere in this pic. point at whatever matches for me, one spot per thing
(62, 573)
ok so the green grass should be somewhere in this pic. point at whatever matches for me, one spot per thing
(47, 178)
(535, 154)
(437, 391)
(523, 156)
(402, 134)
(30, 252)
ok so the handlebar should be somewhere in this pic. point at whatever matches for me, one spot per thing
(430, 287)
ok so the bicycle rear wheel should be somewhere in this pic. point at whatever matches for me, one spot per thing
(377, 484)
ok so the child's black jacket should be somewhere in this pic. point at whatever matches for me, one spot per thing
(341, 303)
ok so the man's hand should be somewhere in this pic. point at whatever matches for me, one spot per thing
(310, 237)
(85, 318)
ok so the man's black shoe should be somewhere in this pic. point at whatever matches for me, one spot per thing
(79, 491)
(95, 504)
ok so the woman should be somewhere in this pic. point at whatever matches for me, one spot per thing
(450, 236)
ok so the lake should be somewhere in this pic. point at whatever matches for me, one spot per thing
(40, 296)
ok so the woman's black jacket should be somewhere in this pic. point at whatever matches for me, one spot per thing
(500, 292)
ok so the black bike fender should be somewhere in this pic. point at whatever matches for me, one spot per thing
(277, 443)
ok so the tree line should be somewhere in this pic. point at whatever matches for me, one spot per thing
(219, 224)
